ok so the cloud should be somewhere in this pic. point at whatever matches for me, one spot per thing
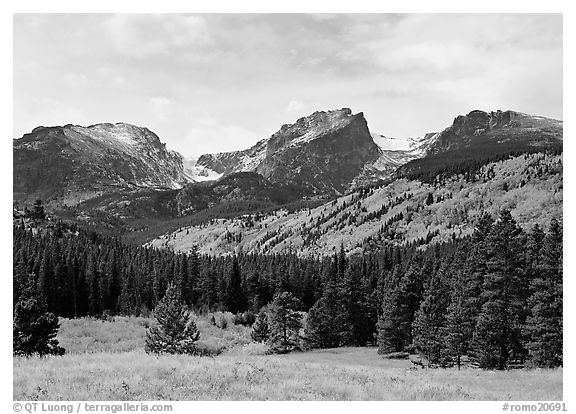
(160, 106)
(254, 72)
(146, 35)
(431, 55)
(111, 75)
(75, 79)
(208, 135)
(31, 112)
(297, 108)
(294, 106)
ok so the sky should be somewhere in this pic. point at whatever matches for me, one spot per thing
(220, 82)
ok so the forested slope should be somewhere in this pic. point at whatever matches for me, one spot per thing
(402, 211)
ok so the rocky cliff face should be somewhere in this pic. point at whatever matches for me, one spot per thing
(74, 163)
(324, 151)
(480, 128)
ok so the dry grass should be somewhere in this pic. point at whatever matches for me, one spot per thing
(122, 334)
(91, 371)
(89, 335)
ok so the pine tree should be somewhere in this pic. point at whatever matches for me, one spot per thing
(38, 212)
(260, 330)
(46, 284)
(400, 303)
(235, 298)
(324, 323)
(359, 327)
(193, 268)
(130, 298)
(431, 319)
(460, 316)
(176, 331)
(209, 287)
(34, 329)
(497, 339)
(544, 327)
(284, 323)
(390, 335)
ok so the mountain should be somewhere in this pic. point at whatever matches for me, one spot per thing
(69, 164)
(479, 137)
(325, 151)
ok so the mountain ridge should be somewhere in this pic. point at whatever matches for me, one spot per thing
(122, 177)
(73, 162)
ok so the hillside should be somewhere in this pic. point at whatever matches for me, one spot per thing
(402, 211)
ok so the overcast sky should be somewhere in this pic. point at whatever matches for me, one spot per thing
(210, 83)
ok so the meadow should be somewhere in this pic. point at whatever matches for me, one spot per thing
(105, 360)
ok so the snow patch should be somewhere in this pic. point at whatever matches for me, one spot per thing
(391, 144)
(199, 173)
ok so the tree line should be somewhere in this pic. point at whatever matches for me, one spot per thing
(495, 296)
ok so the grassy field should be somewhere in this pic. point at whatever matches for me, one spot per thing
(115, 367)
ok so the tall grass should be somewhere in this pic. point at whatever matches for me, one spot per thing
(122, 334)
(106, 361)
(135, 375)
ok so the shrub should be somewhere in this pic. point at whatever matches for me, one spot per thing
(245, 319)
(396, 355)
(255, 349)
(208, 349)
(222, 322)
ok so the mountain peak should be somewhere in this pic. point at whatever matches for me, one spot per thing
(477, 121)
(313, 126)
(88, 159)
(327, 148)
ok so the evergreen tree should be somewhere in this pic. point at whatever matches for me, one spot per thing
(193, 269)
(284, 323)
(181, 279)
(324, 327)
(390, 335)
(260, 330)
(460, 316)
(544, 327)
(400, 303)
(208, 287)
(176, 331)
(46, 281)
(130, 299)
(496, 338)
(235, 299)
(34, 329)
(38, 212)
(359, 327)
(431, 319)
